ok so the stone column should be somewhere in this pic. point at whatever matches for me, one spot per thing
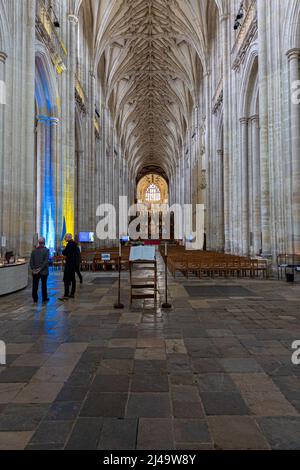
(70, 169)
(220, 189)
(56, 177)
(102, 157)
(42, 123)
(244, 248)
(294, 57)
(92, 191)
(3, 57)
(250, 187)
(225, 36)
(182, 176)
(256, 191)
(264, 126)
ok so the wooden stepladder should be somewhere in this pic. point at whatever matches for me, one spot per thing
(143, 286)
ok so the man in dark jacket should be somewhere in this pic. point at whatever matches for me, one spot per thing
(39, 264)
(71, 255)
(78, 260)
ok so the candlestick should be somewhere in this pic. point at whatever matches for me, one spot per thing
(166, 249)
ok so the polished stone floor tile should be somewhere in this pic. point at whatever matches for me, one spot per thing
(185, 393)
(236, 433)
(149, 405)
(71, 393)
(63, 411)
(53, 374)
(52, 433)
(122, 343)
(19, 417)
(224, 403)
(111, 383)
(17, 374)
(149, 383)
(191, 430)
(240, 365)
(155, 434)
(254, 382)
(115, 366)
(269, 403)
(282, 433)
(118, 434)
(9, 391)
(216, 382)
(150, 367)
(30, 359)
(85, 434)
(44, 392)
(98, 404)
(187, 409)
(14, 440)
(150, 354)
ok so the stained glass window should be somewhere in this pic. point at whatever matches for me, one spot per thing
(153, 193)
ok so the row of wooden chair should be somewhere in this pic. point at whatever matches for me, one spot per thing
(93, 260)
(210, 264)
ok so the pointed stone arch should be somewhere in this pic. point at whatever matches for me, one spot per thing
(5, 34)
(292, 26)
(249, 88)
(46, 91)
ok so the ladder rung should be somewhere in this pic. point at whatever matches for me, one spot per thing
(143, 296)
(142, 286)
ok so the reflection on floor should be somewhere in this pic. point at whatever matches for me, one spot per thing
(215, 372)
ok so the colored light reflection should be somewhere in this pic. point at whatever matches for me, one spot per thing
(68, 201)
(48, 197)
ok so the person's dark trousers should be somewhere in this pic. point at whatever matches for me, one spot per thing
(79, 274)
(67, 283)
(35, 287)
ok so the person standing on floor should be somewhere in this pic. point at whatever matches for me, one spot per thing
(78, 261)
(39, 264)
(70, 253)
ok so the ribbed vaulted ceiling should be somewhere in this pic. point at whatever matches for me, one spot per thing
(150, 55)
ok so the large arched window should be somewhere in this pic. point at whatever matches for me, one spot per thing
(153, 193)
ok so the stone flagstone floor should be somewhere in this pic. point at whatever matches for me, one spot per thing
(212, 373)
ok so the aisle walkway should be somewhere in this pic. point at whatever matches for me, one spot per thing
(213, 373)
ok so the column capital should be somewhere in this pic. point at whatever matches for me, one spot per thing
(3, 57)
(73, 19)
(42, 118)
(293, 54)
(244, 121)
(254, 118)
(224, 17)
(54, 121)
